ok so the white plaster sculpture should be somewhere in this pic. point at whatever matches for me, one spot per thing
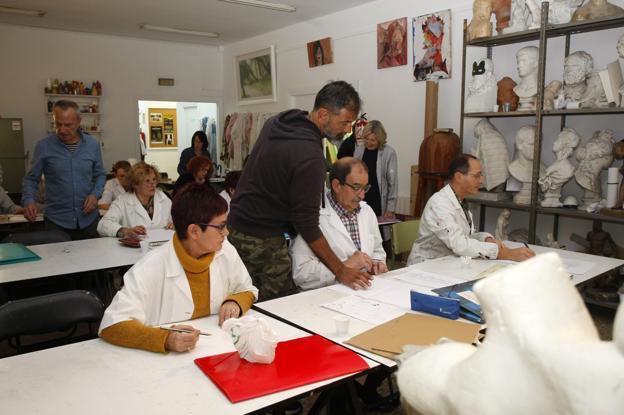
(559, 11)
(480, 25)
(482, 90)
(527, 60)
(502, 225)
(541, 355)
(562, 170)
(519, 17)
(551, 92)
(597, 9)
(593, 156)
(522, 166)
(620, 51)
(493, 153)
(582, 87)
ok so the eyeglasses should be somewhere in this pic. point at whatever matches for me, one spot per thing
(475, 175)
(220, 227)
(358, 188)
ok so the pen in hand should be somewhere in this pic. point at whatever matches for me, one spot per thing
(183, 331)
(526, 245)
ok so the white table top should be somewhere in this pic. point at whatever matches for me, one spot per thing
(95, 377)
(15, 218)
(70, 257)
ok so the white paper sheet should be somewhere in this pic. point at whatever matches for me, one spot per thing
(365, 309)
(377, 285)
(576, 266)
(428, 280)
(156, 236)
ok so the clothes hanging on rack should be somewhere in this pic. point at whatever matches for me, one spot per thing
(240, 133)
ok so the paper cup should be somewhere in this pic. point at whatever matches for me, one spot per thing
(342, 325)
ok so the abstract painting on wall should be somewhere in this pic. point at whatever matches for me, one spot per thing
(431, 36)
(392, 43)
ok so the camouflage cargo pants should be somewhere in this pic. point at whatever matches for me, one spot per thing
(268, 263)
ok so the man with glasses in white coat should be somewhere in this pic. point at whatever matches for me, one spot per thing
(349, 225)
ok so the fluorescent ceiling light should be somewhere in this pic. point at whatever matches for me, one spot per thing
(264, 5)
(23, 12)
(178, 31)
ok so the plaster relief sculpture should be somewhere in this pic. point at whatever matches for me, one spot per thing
(506, 95)
(562, 170)
(502, 11)
(542, 353)
(493, 153)
(582, 87)
(526, 59)
(551, 92)
(597, 9)
(522, 166)
(482, 89)
(480, 25)
(519, 17)
(502, 225)
(593, 156)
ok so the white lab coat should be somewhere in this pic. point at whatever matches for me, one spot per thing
(112, 190)
(156, 290)
(444, 230)
(309, 272)
(127, 212)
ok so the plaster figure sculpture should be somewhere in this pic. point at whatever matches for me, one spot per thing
(542, 353)
(593, 156)
(562, 170)
(526, 59)
(522, 166)
(482, 89)
(582, 87)
(492, 151)
(502, 11)
(506, 95)
(480, 25)
(559, 11)
(551, 92)
(519, 17)
(502, 225)
(618, 154)
(620, 51)
(597, 9)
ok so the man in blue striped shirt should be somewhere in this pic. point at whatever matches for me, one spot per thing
(74, 175)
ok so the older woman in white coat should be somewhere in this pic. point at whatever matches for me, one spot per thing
(381, 161)
(196, 274)
(144, 207)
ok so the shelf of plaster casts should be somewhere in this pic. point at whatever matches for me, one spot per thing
(73, 96)
(502, 204)
(579, 214)
(585, 111)
(499, 114)
(551, 31)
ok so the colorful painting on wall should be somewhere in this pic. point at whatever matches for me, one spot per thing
(320, 52)
(392, 43)
(431, 36)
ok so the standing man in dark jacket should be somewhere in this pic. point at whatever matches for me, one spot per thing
(280, 190)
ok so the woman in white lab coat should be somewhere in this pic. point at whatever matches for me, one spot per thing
(143, 207)
(170, 283)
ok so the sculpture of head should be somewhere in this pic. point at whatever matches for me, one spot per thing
(620, 46)
(482, 73)
(566, 142)
(483, 127)
(577, 67)
(525, 139)
(526, 59)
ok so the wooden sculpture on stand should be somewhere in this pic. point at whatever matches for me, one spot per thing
(437, 150)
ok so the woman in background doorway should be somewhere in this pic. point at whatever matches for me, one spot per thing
(199, 170)
(199, 147)
(381, 161)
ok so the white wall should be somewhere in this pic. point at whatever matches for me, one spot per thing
(389, 95)
(128, 69)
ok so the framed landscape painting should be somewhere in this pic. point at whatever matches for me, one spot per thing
(255, 77)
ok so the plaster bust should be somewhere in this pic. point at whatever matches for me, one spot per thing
(580, 84)
(560, 11)
(593, 156)
(480, 25)
(493, 153)
(562, 170)
(597, 9)
(551, 92)
(521, 167)
(519, 17)
(620, 50)
(527, 60)
(502, 11)
(506, 95)
(482, 89)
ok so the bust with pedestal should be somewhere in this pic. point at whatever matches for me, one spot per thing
(527, 60)
(562, 170)
(521, 167)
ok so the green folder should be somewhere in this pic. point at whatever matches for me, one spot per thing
(12, 252)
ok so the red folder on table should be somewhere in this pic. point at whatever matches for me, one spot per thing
(297, 362)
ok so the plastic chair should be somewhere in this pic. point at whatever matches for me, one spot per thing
(403, 236)
(59, 313)
(38, 237)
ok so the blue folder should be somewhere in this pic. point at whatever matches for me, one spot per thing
(12, 252)
(468, 309)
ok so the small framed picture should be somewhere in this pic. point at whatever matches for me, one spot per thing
(256, 78)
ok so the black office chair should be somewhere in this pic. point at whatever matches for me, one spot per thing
(37, 237)
(52, 320)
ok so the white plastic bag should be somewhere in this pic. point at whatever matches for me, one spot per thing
(253, 338)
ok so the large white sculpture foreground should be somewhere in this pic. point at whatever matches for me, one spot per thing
(542, 353)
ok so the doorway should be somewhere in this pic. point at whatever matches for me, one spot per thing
(167, 128)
